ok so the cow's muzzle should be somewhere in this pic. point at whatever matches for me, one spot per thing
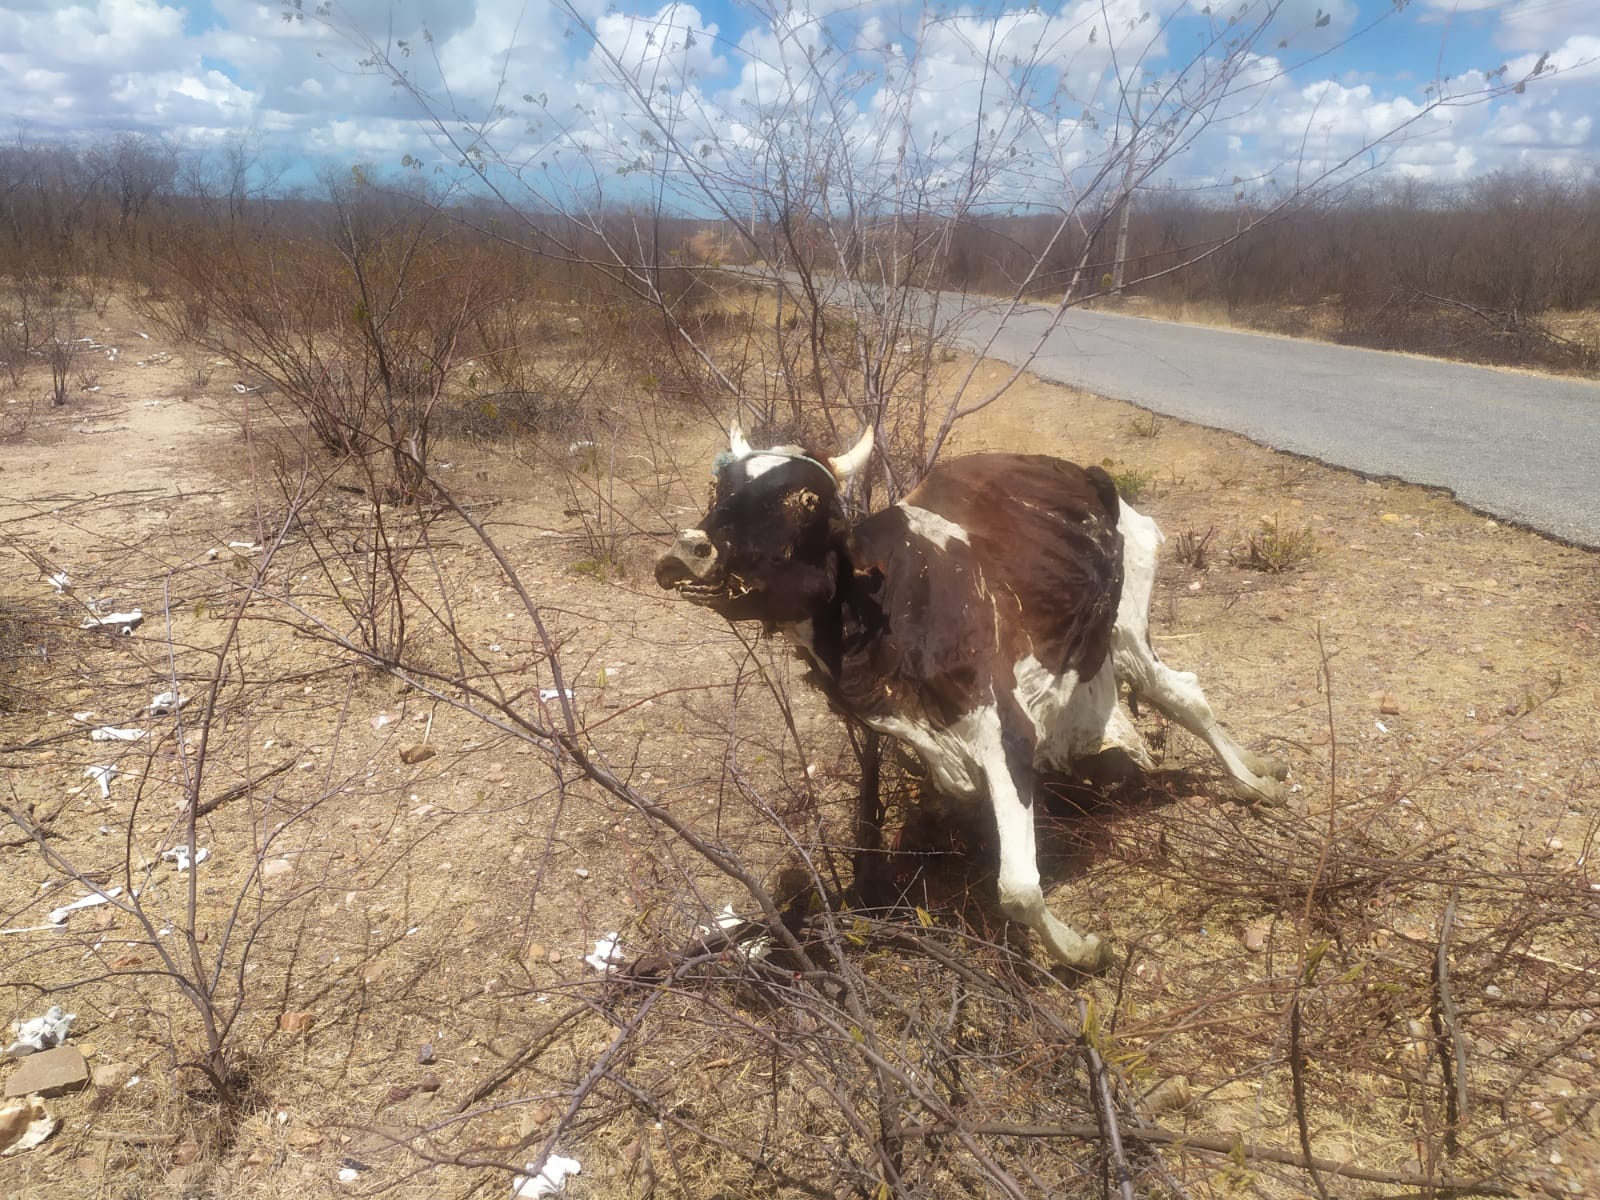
(693, 569)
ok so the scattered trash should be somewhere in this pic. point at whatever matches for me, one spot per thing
(548, 694)
(166, 703)
(382, 719)
(102, 776)
(245, 547)
(1380, 727)
(348, 1174)
(61, 582)
(111, 733)
(608, 954)
(23, 1125)
(180, 856)
(755, 949)
(548, 1181)
(117, 622)
(58, 916)
(41, 1033)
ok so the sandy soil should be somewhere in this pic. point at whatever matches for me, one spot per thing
(1433, 665)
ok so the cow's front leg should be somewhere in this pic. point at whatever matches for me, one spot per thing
(1006, 754)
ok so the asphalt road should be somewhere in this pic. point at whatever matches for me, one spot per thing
(1520, 447)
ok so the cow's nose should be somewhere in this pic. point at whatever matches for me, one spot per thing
(692, 557)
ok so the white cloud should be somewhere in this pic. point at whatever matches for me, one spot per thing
(902, 91)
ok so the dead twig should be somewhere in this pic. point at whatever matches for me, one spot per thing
(1446, 1030)
(1105, 1106)
(1232, 1147)
(240, 789)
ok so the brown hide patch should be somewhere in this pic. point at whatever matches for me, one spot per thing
(1046, 538)
(928, 632)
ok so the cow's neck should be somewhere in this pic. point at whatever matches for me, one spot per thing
(819, 638)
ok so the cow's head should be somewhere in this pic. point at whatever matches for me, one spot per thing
(763, 552)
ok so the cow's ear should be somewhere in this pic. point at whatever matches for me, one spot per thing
(736, 442)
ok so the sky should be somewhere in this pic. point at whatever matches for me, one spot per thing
(1013, 104)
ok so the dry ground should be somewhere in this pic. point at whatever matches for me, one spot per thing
(1428, 673)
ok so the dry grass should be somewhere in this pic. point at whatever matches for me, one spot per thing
(436, 911)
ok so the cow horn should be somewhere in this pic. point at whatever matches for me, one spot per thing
(736, 442)
(852, 460)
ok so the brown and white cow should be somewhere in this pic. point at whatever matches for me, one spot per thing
(986, 621)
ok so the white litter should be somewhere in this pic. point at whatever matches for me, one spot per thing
(548, 694)
(245, 547)
(548, 1181)
(41, 1033)
(24, 1124)
(166, 703)
(61, 581)
(608, 954)
(102, 776)
(58, 916)
(110, 733)
(118, 622)
(755, 949)
(180, 856)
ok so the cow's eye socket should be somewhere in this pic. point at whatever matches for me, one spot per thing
(702, 550)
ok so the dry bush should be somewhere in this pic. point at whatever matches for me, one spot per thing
(1276, 547)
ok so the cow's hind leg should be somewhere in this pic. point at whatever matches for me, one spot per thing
(1256, 777)
(1007, 759)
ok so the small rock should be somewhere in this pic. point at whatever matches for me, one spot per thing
(112, 1074)
(1388, 705)
(411, 755)
(1256, 935)
(49, 1073)
(429, 1083)
(1168, 1096)
(273, 868)
(426, 1055)
(296, 1022)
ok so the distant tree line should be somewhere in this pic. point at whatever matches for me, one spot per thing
(1472, 271)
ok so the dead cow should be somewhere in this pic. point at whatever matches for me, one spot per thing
(986, 620)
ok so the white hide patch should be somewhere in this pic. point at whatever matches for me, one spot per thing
(758, 465)
(932, 526)
(1072, 718)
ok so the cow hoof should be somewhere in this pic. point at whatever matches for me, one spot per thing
(1093, 956)
(1266, 765)
(1261, 790)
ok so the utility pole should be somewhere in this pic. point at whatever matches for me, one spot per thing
(1127, 198)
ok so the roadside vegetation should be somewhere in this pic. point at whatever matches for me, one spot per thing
(454, 845)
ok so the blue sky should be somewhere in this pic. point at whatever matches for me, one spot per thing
(1318, 84)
